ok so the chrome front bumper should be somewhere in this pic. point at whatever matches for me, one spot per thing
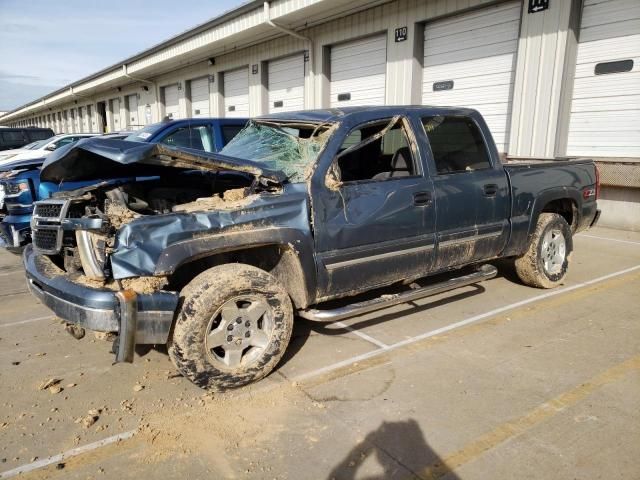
(97, 309)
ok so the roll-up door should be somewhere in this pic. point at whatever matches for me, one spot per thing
(605, 108)
(470, 61)
(358, 72)
(200, 97)
(171, 103)
(115, 114)
(82, 120)
(236, 93)
(132, 109)
(286, 84)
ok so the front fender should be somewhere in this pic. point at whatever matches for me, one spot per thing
(298, 242)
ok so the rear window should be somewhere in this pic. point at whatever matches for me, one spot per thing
(456, 143)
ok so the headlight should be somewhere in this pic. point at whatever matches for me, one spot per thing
(16, 188)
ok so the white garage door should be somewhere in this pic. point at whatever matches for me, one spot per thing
(470, 61)
(358, 72)
(236, 93)
(171, 108)
(132, 101)
(286, 84)
(200, 97)
(81, 120)
(605, 109)
(115, 114)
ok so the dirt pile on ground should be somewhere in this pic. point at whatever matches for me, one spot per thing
(235, 198)
(220, 426)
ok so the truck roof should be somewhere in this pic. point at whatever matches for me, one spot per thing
(336, 114)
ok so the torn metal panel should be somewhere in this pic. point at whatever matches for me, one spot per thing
(141, 244)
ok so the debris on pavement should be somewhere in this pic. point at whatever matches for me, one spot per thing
(49, 383)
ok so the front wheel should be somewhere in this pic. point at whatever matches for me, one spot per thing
(546, 261)
(233, 327)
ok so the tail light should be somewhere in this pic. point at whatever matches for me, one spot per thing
(597, 182)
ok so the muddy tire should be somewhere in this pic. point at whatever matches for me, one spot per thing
(545, 263)
(233, 327)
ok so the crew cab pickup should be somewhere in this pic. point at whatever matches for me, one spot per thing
(216, 253)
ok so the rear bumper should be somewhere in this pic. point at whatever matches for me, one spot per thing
(97, 309)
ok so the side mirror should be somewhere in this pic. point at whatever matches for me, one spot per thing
(51, 147)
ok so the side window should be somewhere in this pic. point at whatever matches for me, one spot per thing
(198, 138)
(456, 143)
(65, 141)
(376, 151)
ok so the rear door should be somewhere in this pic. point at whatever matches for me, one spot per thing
(471, 191)
(374, 212)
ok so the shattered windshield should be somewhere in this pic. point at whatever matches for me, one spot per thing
(287, 147)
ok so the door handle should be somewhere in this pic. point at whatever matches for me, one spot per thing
(490, 189)
(422, 198)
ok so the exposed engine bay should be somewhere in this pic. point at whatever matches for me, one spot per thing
(77, 229)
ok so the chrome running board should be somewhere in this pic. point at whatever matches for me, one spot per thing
(485, 272)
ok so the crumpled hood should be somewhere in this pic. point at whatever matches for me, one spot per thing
(102, 158)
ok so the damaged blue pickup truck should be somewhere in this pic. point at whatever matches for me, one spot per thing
(214, 253)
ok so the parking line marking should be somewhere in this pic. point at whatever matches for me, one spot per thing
(608, 239)
(555, 403)
(31, 320)
(531, 419)
(362, 335)
(29, 467)
(456, 325)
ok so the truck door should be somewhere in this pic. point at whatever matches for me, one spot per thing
(373, 211)
(471, 192)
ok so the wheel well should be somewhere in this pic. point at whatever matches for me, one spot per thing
(565, 207)
(281, 261)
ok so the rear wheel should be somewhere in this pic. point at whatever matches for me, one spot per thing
(233, 327)
(546, 261)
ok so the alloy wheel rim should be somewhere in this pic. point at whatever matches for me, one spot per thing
(239, 332)
(554, 251)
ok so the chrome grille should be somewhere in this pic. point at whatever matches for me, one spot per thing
(48, 210)
(45, 240)
(46, 225)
